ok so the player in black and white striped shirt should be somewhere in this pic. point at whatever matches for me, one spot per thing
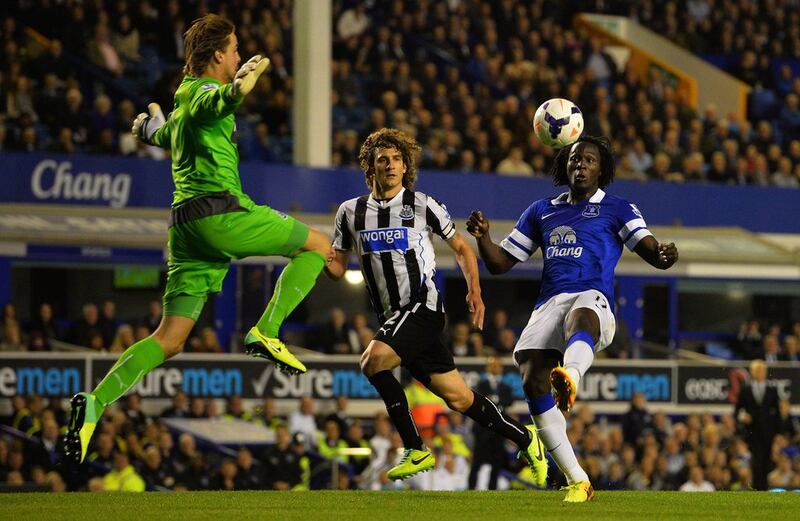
(390, 230)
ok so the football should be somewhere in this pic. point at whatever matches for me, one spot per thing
(558, 122)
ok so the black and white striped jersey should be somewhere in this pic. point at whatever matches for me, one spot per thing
(393, 241)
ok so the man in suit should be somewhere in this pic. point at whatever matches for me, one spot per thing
(490, 447)
(758, 415)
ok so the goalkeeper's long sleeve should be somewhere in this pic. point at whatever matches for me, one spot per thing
(163, 136)
(214, 101)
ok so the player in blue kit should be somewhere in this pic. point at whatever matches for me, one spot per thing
(581, 233)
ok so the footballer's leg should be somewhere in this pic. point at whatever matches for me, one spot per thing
(138, 360)
(450, 386)
(377, 363)
(582, 331)
(536, 366)
(308, 250)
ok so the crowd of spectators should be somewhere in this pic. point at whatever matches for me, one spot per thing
(438, 70)
(772, 343)
(472, 94)
(133, 451)
(99, 328)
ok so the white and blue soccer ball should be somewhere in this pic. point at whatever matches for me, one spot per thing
(558, 122)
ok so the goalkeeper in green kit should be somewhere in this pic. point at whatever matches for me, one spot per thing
(211, 222)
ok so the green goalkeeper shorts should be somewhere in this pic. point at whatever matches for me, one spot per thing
(205, 234)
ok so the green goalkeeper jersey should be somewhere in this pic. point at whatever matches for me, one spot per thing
(200, 132)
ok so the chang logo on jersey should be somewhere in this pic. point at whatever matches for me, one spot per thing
(562, 240)
(384, 239)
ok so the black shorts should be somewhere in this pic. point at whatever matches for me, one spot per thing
(414, 333)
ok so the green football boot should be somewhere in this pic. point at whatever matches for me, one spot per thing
(85, 412)
(413, 462)
(537, 459)
(272, 349)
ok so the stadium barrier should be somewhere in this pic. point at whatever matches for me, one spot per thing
(609, 385)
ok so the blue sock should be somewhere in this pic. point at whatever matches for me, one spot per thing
(541, 404)
(579, 355)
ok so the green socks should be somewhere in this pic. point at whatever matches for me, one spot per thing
(293, 285)
(138, 360)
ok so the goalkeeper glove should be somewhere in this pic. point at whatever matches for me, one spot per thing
(144, 126)
(248, 74)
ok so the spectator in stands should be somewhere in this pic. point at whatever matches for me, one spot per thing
(137, 418)
(498, 323)
(784, 175)
(459, 343)
(355, 439)
(19, 101)
(102, 457)
(89, 324)
(247, 475)
(209, 342)
(45, 323)
(179, 407)
(267, 415)
(125, 40)
(505, 342)
(781, 476)
(340, 415)
(787, 425)
(123, 339)
(636, 420)
(225, 478)
(353, 22)
(10, 331)
(156, 474)
(235, 409)
(514, 164)
(330, 441)
(280, 463)
(333, 336)
(102, 53)
(52, 61)
(153, 317)
(182, 460)
(791, 349)
(46, 455)
(108, 322)
(197, 409)
(452, 470)
(303, 420)
(770, 345)
(72, 116)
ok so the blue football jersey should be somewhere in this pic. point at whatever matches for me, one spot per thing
(581, 243)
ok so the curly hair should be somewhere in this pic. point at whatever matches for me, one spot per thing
(389, 138)
(607, 165)
(206, 36)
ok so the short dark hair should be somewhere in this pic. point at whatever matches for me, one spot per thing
(607, 165)
(205, 36)
(389, 138)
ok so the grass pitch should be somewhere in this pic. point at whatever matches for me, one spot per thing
(400, 505)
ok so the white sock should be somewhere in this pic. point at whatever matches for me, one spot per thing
(578, 358)
(552, 429)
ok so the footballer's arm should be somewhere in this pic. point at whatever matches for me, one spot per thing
(336, 264)
(497, 260)
(469, 267)
(659, 255)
